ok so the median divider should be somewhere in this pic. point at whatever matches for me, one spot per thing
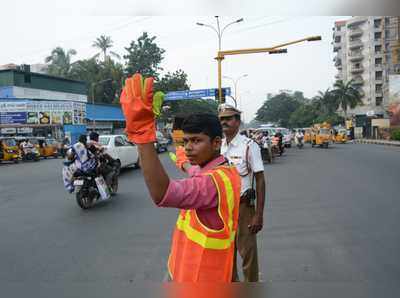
(378, 142)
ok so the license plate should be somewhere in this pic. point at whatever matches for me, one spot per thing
(78, 182)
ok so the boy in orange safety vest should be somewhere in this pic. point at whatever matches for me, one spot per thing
(203, 240)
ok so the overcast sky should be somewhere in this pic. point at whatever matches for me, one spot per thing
(307, 67)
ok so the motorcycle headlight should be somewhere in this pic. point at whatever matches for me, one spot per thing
(10, 151)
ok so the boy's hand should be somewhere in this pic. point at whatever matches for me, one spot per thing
(140, 108)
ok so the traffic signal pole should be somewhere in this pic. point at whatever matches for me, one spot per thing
(271, 50)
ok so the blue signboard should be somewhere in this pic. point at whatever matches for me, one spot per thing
(194, 94)
(13, 117)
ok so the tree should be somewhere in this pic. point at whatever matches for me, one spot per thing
(303, 116)
(176, 81)
(144, 56)
(103, 43)
(60, 62)
(278, 109)
(326, 102)
(347, 95)
(93, 72)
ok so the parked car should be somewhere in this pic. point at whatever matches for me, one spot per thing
(120, 149)
(162, 142)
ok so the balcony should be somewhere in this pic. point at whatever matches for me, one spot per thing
(356, 43)
(337, 46)
(355, 69)
(358, 81)
(378, 67)
(338, 76)
(378, 93)
(355, 32)
(356, 56)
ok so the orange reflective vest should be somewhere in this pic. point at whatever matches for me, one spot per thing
(201, 254)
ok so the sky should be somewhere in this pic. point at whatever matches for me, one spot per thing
(307, 67)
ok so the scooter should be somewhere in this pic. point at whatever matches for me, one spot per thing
(299, 142)
(29, 152)
(266, 150)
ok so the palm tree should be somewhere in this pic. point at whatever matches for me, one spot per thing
(347, 95)
(104, 43)
(60, 61)
(326, 102)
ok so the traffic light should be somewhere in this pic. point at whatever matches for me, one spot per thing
(216, 94)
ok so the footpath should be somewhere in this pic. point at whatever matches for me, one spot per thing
(377, 142)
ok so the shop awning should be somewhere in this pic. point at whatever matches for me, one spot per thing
(104, 113)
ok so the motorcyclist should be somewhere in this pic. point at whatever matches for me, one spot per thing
(108, 166)
(299, 138)
(279, 135)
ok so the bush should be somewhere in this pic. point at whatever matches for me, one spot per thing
(395, 135)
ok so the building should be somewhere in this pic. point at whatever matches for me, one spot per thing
(41, 105)
(366, 54)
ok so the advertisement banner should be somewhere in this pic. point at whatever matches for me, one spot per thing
(394, 100)
(13, 117)
(44, 112)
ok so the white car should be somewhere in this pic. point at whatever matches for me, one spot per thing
(120, 149)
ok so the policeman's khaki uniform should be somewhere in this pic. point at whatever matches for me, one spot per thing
(246, 242)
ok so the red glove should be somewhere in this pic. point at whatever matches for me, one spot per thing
(181, 157)
(138, 107)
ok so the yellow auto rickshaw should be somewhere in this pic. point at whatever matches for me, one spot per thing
(341, 136)
(321, 135)
(307, 135)
(9, 149)
(46, 147)
(177, 132)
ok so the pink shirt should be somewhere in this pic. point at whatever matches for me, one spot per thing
(197, 192)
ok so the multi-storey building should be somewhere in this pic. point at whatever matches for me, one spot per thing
(365, 54)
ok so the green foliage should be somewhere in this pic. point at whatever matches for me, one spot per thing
(96, 73)
(59, 62)
(278, 109)
(175, 81)
(347, 95)
(144, 56)
(395, 134)
(103, 43)
(303, 116)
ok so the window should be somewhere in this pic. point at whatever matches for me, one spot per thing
(378, 61)
(378, 88)
(378, 49)
(378, 35)
(378, 75)
(119, 142)
(104, 141)
(377, 23)
(378, 101)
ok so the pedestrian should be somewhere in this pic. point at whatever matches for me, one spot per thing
(202, 247)
(245, 154)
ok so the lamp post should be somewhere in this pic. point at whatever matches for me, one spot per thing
(219, 33)
(235, 82)
(93, 89)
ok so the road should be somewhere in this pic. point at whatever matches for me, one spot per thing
(331, 219)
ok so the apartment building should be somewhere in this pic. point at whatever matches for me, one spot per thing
(365, 52)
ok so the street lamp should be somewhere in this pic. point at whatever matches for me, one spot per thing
(235, 82)
(218, 29)
(93, 89)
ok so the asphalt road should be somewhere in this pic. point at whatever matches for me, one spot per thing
(330, 225)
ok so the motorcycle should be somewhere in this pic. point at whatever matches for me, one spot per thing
(299, 142)
(277, 146)
(266, 150)
(29, 152)
(91, 187)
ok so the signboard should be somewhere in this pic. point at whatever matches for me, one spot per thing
(8, 130)
(13, 117)
(42, 112)
(193, 94)
(24, 129)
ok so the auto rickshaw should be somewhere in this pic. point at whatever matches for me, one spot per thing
(321, 135)
(46, 147)
(307, 135)
(9, 150)
(177, 132)
(341, 136)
